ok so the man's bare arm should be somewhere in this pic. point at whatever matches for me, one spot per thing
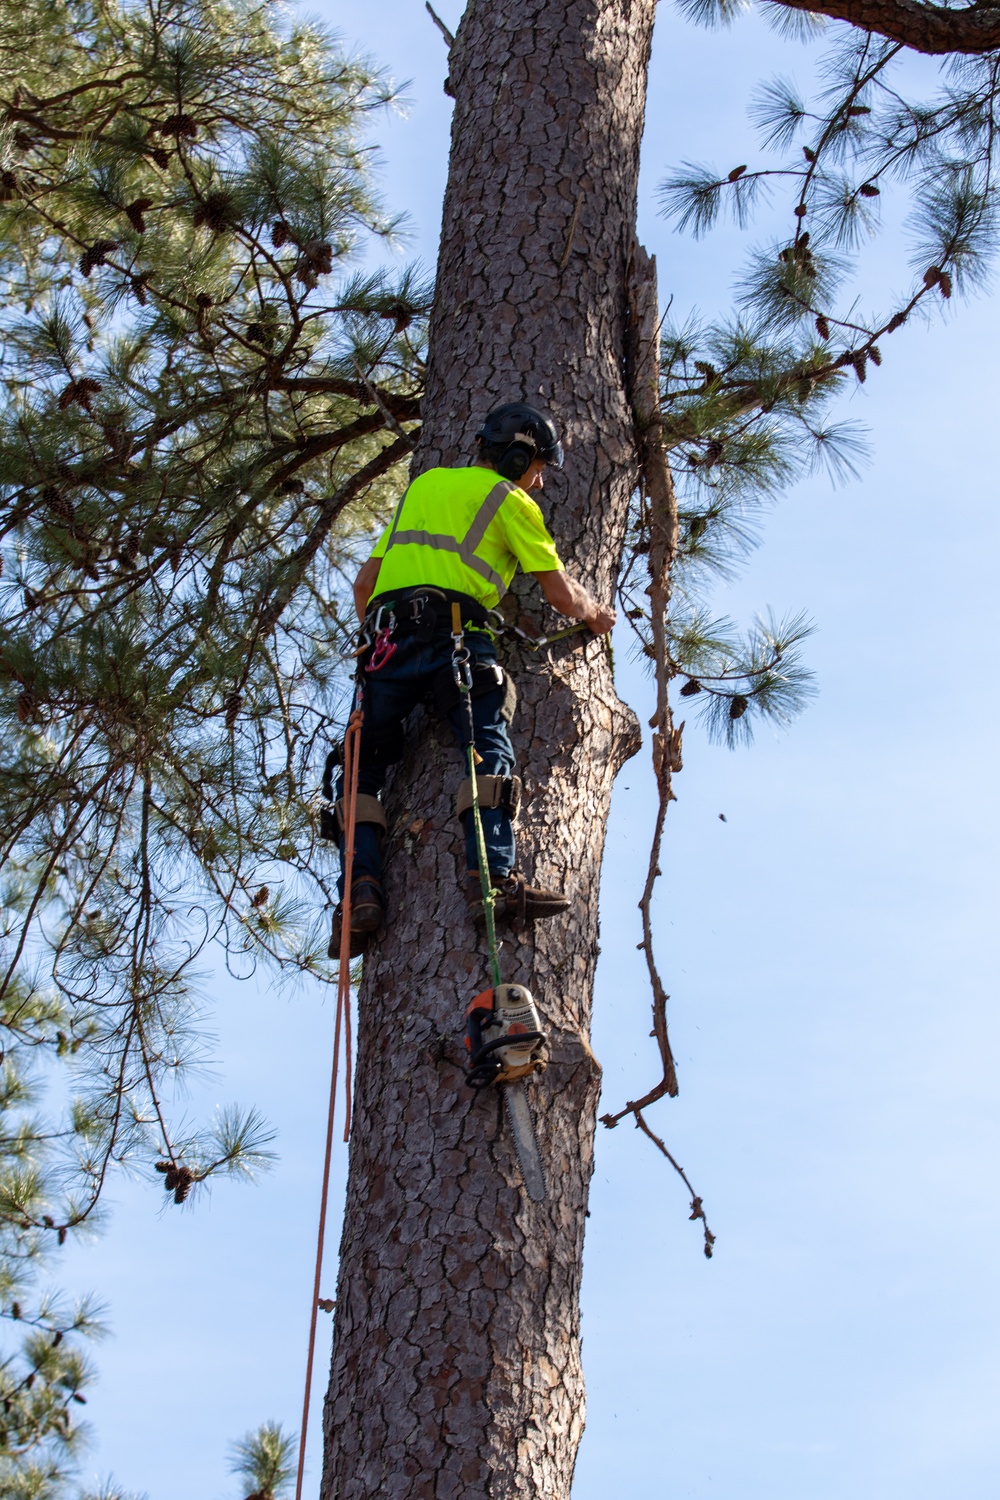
(364, 585)
(572, 599)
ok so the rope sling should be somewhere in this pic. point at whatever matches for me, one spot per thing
(352, 767)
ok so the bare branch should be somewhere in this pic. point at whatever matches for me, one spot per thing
(440, 24)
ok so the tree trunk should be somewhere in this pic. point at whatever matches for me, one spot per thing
(456, 1364)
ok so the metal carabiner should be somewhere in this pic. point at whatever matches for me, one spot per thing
(382, 651)
(461, 669)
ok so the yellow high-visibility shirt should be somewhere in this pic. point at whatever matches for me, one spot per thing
(466, 530)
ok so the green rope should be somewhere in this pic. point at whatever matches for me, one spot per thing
(489, 899)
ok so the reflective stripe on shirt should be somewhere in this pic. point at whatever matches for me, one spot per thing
(464, 546)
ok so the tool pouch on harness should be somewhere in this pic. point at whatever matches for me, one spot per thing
(493, 791)
(487, 676)
(504, 1036)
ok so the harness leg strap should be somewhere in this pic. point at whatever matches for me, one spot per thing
(368, 810)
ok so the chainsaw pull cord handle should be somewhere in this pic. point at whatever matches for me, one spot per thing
(462, 673)
(352, 766)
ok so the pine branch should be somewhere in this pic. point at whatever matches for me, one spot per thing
(933, 29)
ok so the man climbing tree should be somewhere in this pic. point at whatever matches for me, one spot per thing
(198, 425)
(456, 540)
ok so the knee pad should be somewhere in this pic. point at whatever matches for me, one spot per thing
(494, 791)
(368, 810)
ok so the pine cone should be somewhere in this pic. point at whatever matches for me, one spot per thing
(869, 190)
(96, 255)
(135, 211)
(8, 186)
(932, 275)
(216, 212)
(280, 233)
(261, 897)
(59, 504)
(822, 327)
(691, 687)
(402, 315)
(139, 284)
(183, 1184)
(159, 156)
(176, 125)
(79, 391)
(232, 705)
(316, 260)
(944, 284)
(25, 706)
(738, 706)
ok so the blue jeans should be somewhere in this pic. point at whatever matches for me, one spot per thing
(389, 696)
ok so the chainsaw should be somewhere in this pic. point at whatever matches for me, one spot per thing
(506, 1046)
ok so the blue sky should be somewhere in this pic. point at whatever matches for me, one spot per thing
(830, 953)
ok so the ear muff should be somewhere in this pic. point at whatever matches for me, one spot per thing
(516, 458)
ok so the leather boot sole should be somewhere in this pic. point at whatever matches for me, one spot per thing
(516, 901)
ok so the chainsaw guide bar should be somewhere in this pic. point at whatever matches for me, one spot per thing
(522, 1128)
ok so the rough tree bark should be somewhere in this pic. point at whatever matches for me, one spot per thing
(456, 1364)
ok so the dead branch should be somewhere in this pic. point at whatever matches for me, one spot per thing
(697, 1211)
(662, 513)
(439, 24)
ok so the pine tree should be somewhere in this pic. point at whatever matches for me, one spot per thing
(207, 409)
(456, 1350)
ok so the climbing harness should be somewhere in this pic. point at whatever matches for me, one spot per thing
(342, 1026)
(504, 1038)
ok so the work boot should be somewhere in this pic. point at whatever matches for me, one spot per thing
(514, 900)
(367, 911)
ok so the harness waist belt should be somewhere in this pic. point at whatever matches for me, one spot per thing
(417, 607)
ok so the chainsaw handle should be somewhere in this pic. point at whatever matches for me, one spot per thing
(520, 1039)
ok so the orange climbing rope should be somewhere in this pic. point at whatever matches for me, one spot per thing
(352, 757)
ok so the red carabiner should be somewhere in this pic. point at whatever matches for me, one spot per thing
(382, 651)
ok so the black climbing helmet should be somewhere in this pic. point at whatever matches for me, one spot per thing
(513, 436)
